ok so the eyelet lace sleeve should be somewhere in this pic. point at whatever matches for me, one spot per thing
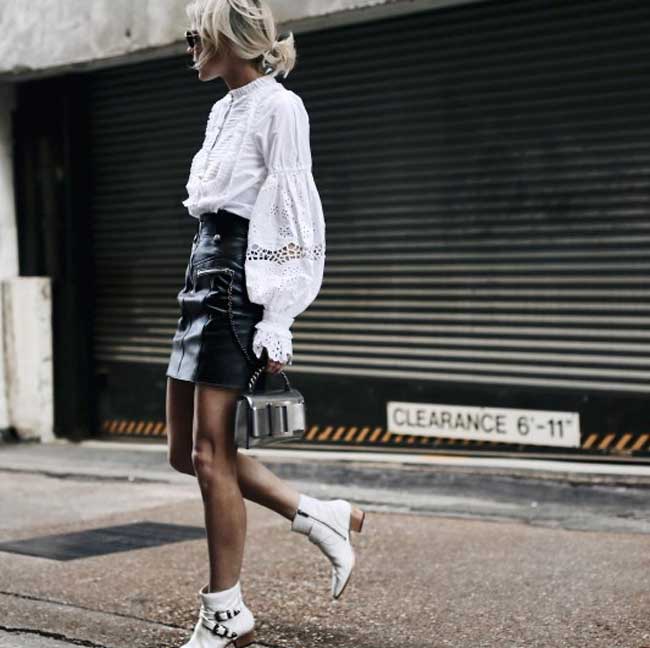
(285, 253)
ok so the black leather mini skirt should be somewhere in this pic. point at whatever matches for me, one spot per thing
(212, 343)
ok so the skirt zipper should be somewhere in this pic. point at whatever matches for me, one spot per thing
(213, 271)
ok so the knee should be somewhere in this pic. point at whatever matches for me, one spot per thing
(212, 468)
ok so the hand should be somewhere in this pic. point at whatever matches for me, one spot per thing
(272, 366)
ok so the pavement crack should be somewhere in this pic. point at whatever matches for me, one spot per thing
(76, 606)
(91, 644)
(52, 635)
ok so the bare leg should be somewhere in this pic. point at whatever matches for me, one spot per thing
(179, 410)
(256, 482)
(214, 461)
(260, 485)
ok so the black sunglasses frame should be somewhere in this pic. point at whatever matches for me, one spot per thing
(192, 38)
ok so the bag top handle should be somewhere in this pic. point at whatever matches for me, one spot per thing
(258, 372)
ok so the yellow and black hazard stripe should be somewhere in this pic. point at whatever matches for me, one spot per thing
(125, 427)
(626, 443)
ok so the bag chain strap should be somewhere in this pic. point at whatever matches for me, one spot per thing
(257, 373)
(232, 323)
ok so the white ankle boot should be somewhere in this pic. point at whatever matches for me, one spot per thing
(327, 524)
(224, 620)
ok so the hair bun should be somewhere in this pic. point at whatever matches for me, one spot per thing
(282, 37)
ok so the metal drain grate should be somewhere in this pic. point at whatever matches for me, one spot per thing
(96, 542)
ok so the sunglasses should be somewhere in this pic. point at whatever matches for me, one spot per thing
(192, 38)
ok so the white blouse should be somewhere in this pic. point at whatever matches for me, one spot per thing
(255, 161)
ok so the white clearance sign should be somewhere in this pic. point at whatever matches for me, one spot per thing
(507, 425)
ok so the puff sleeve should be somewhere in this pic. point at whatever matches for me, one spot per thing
(285, 253)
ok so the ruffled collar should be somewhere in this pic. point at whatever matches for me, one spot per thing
(253, 86)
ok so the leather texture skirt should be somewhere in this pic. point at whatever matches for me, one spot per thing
(212, 343)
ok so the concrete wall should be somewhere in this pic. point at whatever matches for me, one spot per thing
(8, 238)
(26, 323)
(50, 36)
(26, 372)
(5, 417)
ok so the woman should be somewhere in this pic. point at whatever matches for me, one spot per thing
(256, 263)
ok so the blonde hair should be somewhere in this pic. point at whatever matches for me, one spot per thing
(249, 26)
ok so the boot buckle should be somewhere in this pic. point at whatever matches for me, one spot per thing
(221, 631)
(224, 615)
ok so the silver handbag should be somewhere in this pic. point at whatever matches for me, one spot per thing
(265, 417)
(269, 417)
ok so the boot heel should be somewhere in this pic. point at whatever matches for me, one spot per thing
(245, 640)
(357, 516)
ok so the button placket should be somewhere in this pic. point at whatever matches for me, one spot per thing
(218, 130)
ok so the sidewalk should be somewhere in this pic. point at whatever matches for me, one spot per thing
(610, 497)
(450, 555)
(147, 460)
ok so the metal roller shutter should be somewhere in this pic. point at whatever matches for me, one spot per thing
(484, 172)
